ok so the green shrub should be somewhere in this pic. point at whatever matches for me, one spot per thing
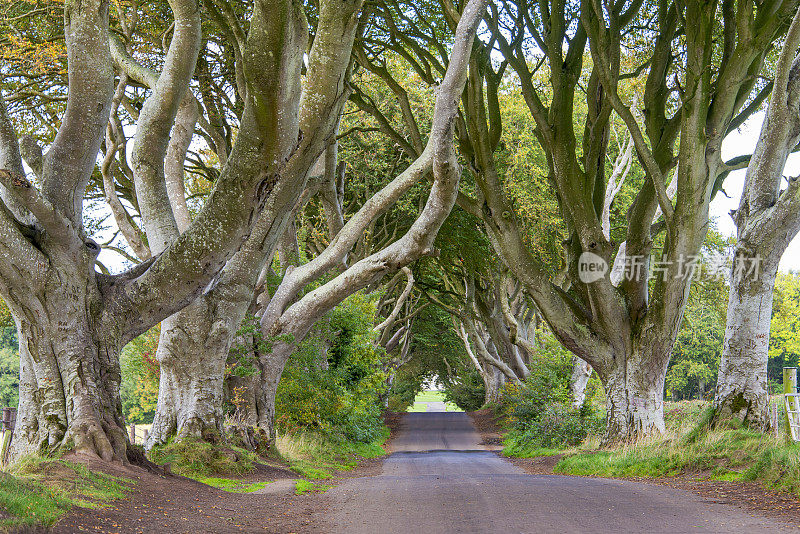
(404, 390)
(334, 381)
(557, 426)
(466, 390)
(140, 376)
(195, 458)
(539, 412)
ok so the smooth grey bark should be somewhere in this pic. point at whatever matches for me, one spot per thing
(73, 320)
(196, 342)
(11, 160)
(766, 221)
(581, 372)
(180, 139)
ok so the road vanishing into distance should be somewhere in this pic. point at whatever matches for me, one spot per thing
(439, 479)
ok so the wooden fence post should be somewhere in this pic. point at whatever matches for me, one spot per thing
(789, 388)
(133, 434)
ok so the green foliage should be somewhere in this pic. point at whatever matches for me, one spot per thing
(38, 491)
(198, 459)
(9, 359)
(539, 412)
(334, 379)
(436, 354)
(140, 376)
(466, 390)
(316, 455)
(556, 426)
(241, 359)
(693, 367)
(404, 389)
(784, 340)
(9, 376)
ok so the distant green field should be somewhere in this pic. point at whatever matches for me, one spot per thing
(423, 398)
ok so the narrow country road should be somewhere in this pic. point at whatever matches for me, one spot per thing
(440, 480)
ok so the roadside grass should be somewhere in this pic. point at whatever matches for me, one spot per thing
(424, 397)
(429, 396)
(316, 456)
(303, 486)
(514, 448)
(195, 458)
(691, 447)
(233, 485)
(37, 492)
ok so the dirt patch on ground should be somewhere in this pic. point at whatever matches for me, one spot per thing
(752, 496)
(539, 465)
(487, 423)
(170, 503)
(174, 504)
(162, 502)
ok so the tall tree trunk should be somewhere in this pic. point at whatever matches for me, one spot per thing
(767, 220)
(73, 320)
(742, 381)
(634, 402)
(196, 342)
(271, 368)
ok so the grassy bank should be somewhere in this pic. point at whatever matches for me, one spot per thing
(39, 491)
(312, 455)
(317, 456)
(731, 453)
(689, 447)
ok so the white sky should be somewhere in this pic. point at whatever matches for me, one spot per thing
(740, 142)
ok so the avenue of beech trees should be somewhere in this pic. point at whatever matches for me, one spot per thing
(528, 170)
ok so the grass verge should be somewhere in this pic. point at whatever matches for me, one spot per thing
(731, 453)
(422, 399)
(233, 485)
(39, 491)
(316, 456)
(303, 486)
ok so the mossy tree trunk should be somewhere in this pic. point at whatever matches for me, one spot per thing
(767, 220)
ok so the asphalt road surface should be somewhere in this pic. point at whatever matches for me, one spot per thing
(440, 480)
